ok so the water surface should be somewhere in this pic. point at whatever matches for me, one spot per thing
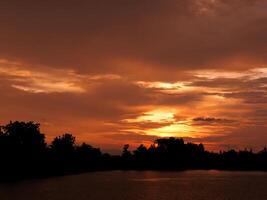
(147, 185)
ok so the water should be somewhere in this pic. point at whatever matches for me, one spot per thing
(149, 185)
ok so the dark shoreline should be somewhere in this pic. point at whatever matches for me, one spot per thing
(24, 154)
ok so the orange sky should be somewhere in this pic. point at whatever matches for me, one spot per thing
(116, 72)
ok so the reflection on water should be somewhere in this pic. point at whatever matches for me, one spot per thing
(132, 185)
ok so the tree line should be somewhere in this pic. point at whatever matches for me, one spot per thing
(24, 153)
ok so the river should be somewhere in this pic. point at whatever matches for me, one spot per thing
(144, 185)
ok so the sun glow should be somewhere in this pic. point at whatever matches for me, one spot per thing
(156, 116)
(173, 130)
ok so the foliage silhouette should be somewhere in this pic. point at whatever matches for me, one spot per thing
(25, 154)
(63, 145)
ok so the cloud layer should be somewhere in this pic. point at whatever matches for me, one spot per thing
(129, 71)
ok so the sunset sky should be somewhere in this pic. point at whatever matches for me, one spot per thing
(128, 71)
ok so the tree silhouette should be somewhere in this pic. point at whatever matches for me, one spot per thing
(63, 144)
(22, 149)
(25, 154)
(23, 137)
(126, 153)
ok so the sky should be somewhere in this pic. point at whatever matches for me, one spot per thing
(130, 71)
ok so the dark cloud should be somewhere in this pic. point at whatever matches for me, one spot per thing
(212, 120)
(225, 83)
(250, 97)
(179, 99)
(98, 36)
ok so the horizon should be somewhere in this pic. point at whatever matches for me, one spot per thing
(128, 72)
(115, 152)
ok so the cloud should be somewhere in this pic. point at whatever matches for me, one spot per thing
(100, 37)
(39, 81)
(212, 121)
(251, 97)
(111, 104)
(89, 66)
(48, 80)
